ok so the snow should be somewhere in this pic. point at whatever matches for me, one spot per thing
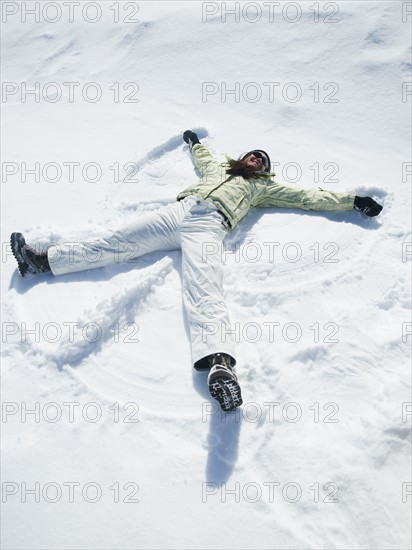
(320, 301)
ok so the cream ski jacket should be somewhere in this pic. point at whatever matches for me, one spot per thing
(234, 195)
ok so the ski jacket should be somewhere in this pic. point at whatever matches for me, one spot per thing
(234, 195)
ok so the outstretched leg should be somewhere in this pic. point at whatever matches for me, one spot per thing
(212, 339)
(153, 231)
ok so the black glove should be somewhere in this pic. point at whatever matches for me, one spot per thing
(190, 138)
(367, 205)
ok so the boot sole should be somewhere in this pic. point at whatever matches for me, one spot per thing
(17, 242)
(227, 392)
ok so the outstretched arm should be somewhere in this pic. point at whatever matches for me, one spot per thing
(316, 199)
(306, 199)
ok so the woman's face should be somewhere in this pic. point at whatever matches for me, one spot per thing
(254, 162)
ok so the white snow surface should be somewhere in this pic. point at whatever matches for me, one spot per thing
(319, 455)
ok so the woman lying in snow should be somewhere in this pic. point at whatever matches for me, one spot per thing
(196, 223)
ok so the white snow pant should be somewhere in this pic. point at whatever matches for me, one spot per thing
(195, 226)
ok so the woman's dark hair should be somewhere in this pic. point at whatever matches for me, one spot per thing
(240, 168)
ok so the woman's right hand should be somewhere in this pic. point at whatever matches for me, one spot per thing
(190, 138)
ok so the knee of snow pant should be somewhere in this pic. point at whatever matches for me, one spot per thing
(202, 268)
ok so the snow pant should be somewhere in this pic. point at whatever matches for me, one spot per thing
(192, 224)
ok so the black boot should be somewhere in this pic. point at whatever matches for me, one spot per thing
(29, 261)
(222, 381)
